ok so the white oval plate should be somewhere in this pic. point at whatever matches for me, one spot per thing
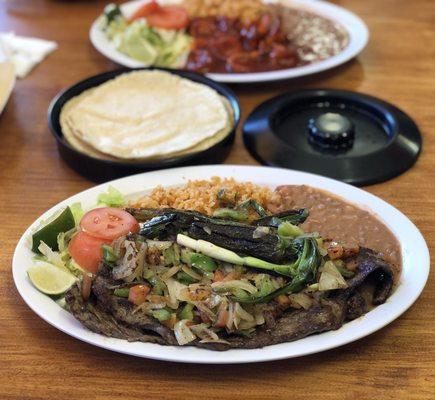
(358, 38)
(415, 268)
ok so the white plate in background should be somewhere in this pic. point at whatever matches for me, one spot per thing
(356, 28)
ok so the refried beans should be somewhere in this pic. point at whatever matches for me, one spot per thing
(342, 222)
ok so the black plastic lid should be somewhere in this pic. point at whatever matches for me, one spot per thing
(349, 136)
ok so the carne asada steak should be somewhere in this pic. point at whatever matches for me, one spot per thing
(113, 316)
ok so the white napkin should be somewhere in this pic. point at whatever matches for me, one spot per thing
(24, 52)
(7, 82)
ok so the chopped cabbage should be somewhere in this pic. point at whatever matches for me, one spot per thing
(182, 332)
(331, 278)
(112, 198)
(151, 46)
(77, 212)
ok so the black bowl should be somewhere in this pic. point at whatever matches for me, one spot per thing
(99, 170)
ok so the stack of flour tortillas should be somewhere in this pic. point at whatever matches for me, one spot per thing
(146, 115)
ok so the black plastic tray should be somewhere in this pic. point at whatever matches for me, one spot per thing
(99, 170)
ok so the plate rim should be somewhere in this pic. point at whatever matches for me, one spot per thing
(328, 340)
(355, 26)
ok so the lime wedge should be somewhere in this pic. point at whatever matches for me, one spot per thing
(48, 234)
(49, 279)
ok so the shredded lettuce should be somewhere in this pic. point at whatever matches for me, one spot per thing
(75, 269)
(50, 256)
(64, 238)
(149, 45)
(112, 198)
(77, 212)
(61, 258)
(62, 303)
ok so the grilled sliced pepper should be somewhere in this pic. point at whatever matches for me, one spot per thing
(295, 217)
(109, 256)
(222, 254)
(161, 315)
(187, 312)
(198, 261)
(158, 286)
(122, 292)
(287, 229)
(306, 268)
(231, 213)
(242, 240)
(202, 262)
(184, 278)
(257, 207)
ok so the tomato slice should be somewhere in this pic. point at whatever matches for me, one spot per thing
(169, 17)
(86, 251)
(222, 319)
(108, 223)
(138, 294)
(145, 10)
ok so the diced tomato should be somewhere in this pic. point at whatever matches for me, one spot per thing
(222, 319)
(138, 294)
(145, 10)
(283, 301)
(169, 323)
(108, 223)
(204, 317)
(86, 251)
(218, 276)
(335, 250)
(231, 276)
(154, 298)
(170, 17)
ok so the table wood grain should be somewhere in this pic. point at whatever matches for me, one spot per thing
(39, 362)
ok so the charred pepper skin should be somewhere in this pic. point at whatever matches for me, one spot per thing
(233, 235)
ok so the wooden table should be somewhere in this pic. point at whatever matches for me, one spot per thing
(39, 362)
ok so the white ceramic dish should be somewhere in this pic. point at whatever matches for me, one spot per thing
(356, 28)
(414, 276)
